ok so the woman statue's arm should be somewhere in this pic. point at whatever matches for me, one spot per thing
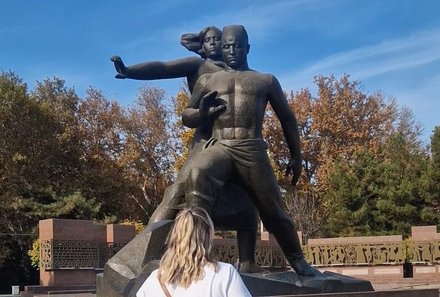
(156, 69)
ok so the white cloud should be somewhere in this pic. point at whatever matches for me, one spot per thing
(405, 68)
(259, 18)
(362, 63)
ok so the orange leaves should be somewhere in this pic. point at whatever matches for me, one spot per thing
(127, 150)
(340, 121)
(181, 133)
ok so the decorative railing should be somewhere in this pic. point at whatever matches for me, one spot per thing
(390, 253)
(356, 254)
(75, 254)
(266, 255)
(427, 252)
(270, 256)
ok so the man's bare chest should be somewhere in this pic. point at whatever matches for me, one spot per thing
(240, 84)
(243, 94)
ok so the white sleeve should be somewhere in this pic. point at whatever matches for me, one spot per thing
(236, 286)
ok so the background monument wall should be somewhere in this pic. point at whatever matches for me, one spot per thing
(73, 251)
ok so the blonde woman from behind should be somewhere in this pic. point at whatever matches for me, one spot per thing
(187, 269)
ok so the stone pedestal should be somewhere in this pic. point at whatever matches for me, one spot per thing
(290, 283)
(127, 270)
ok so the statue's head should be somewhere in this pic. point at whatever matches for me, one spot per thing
(207, 43)
(235, 46)
(211, 39)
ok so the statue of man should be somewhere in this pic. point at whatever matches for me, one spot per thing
(233, 210)
(233, 101)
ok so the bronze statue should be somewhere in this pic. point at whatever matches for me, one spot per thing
(234, 209)
(233, 101)
(227, 167)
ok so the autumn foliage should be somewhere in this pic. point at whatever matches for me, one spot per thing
(182, 134)
(337, 127)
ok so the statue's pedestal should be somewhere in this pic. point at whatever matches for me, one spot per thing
(289, 283)
(125, 272)
(112, 284)
(259, 284)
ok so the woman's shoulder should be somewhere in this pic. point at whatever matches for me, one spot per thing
(224, 264)
(219, 267)
(225, 267)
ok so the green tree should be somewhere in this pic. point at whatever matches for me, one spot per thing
(431, 181)
(354, 188)
(59, 105)
(14, 104)
(39, 165)
(401, 198)
(378, 193)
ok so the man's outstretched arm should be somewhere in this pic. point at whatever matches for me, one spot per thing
(290, 128)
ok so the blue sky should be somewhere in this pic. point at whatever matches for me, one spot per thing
(391, 46)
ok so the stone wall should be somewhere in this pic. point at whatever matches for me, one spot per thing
(378, 258)
(73, 251)
(349, 251)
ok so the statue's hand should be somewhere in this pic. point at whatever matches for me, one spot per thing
(294, 167)
(208, 107)
(120, 67)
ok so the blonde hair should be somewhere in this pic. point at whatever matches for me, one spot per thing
(189, 246)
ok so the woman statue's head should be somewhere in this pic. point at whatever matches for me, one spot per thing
(207, 43)
(189, 246)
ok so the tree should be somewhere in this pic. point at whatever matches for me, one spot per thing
(354, 191)
(379, 193)
(39, 146)
(337, 124)
(60, 106)
(39, 166)
(344, 121)
(13, 96)
(127, 152)
(147, 149)
(409, 128)
(100, 129)
(307, 209)
(431, 181)
(182, 134)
